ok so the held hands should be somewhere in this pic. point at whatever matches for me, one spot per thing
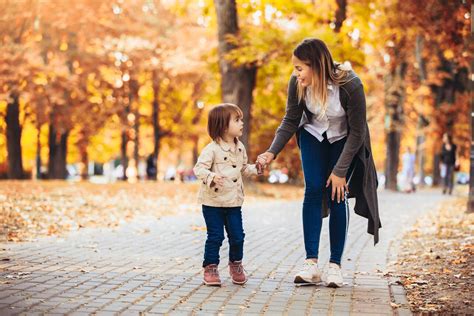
(339, 185)
(263, 160)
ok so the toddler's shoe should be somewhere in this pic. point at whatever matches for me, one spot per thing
(237, 273)
(211, 275)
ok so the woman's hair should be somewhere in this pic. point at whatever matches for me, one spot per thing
(314, 53)
(219, 118)
(448, 137)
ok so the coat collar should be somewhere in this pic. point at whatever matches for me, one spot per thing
(226, 147)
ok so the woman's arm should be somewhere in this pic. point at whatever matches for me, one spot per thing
(291, 120)
(357, 122)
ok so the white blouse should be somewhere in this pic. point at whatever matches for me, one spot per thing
(333, 122)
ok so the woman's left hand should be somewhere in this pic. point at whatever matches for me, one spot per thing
(339, 185)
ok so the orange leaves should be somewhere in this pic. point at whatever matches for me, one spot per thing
(436, 261)
(32, 209)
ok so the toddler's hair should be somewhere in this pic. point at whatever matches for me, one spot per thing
(219, 118)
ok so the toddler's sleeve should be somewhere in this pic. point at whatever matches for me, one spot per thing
(248, 170)
(202, 169)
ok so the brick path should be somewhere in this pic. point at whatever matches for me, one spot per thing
(154, 266)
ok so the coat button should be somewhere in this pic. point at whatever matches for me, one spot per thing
(235, 180)
(216, 189)
(225, 158)
(240, 149)
(234, 166)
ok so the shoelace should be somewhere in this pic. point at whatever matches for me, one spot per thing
(333, 271)
(213, 271)
(308, 266)
(238, 268)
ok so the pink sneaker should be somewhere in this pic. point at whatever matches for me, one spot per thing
(211, 275)
(237, 273)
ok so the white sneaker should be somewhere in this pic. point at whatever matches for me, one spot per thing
(333, 276)
(309, 274)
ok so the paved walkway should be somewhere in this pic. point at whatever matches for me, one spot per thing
(154, 266)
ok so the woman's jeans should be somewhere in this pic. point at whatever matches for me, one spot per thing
(318, 159)
(218, 218)
(448, 181)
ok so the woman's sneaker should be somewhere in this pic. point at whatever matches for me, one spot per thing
(211, 275)
(333, 276)
(310, 273)
(237, 273)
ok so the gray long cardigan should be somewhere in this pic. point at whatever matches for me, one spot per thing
(357, 152)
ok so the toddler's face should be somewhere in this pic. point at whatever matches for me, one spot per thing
(302, 71)
(236, 126)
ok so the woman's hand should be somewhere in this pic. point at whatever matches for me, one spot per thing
(339, 185)
(265, 158)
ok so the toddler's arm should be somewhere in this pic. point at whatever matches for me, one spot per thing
(202, 169)
(248, 170)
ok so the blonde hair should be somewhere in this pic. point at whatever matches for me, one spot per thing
(314, 53)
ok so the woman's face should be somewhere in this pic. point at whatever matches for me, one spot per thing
(445, 138)
(303, 72)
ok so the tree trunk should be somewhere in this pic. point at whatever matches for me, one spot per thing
(440, 93)
(455, 82)
(469, 86)
(12, 119)
(195, 140)
(156, 120)
(85, 163)
(58, 134)
(57, 153)
(420, 156)
(123, 153)
(237, 82)
(392, 159)
(470, 207)
(38, 154)
(83, 143)
(340, 14)
(394, 98)
(132, 94)
(246, 83)
(422, 122)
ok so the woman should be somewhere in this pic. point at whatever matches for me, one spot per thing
(408, 171)
(448, 163)
(326, 109)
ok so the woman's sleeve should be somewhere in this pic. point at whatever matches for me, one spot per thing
(357, 122)
(291, 120)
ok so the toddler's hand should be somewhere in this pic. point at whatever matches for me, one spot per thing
(260, 168)
(219, 180)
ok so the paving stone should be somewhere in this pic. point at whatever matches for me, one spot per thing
(161, 271)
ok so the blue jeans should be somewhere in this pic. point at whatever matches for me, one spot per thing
(318, 160)
(218, 218)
